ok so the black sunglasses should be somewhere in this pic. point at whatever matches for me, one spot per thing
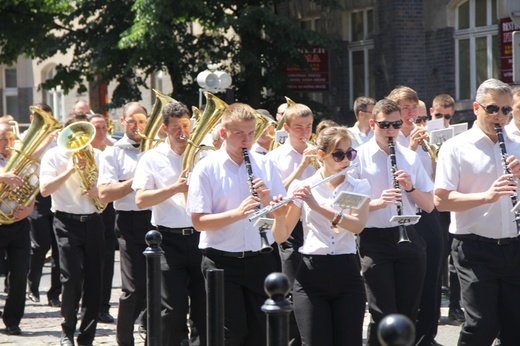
(386, 124)
(421, 119)
(493, 109)
(339, 156)
(446, 116)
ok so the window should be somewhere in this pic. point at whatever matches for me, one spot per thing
(361, 53)
(11, 92)
(477, 50)
(55, 98)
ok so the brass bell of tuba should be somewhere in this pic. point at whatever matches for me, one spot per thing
(148, 140)
(77, 138)
(26, 168)
(203, 125)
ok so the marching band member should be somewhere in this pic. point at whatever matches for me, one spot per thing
(15, 242)
(160, 183)
(513, 127)
(328, 293)
(428, 227)
(80, 235)
(393, 271)
(443, 106)
(474, 182)
(361, 131)
(219, 201)
(116, 173)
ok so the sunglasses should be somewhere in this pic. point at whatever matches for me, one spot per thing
(445, 116)
(386, 124)
(421, 119)
(339, 156)
(493, 109)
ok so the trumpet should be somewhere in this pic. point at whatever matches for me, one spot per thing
(262, 212)
(266, 248)
(424, 142)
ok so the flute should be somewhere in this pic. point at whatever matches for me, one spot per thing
(503, 151)
(266, 248)
(268, 209)
(403, 235)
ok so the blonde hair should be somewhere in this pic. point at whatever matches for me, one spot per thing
(401, 93)
(296, 110)
(329, 138)
(237, 111)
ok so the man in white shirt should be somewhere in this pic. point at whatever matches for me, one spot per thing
(160, 183)
(220, 201)
(393, 271)
(80, 235)
(361, 131)
(116, 173)
(513, 127)
(471, 183)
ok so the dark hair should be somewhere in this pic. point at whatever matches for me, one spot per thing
(385, 106)
(362, 103)
(325, 124)
(131, 104)
(174, 110)
(43, 106)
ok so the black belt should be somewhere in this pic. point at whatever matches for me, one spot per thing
(77, 217)
(133, 211)
(499, 241)
(181, 231)
(241, 254)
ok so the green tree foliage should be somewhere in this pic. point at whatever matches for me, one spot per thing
(126, 41)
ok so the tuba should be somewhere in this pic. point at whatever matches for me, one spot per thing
(203, 125)
(77, 138)
(25, 167)
(154, 122)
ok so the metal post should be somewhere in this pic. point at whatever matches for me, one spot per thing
(215, 307)
(277, 309)
(396, 330)
(153, 255)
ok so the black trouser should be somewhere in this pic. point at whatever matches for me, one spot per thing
(133, 226)
(329, 300)
(15, 243)
(43, 239)
(244, 295)
(291, 258)
(490, 282)
(430, 230)
(393, 272)
(81, 246)
(109, 216)
(183, 287)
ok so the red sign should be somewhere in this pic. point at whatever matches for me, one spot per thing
(507, 27)
(316, 78)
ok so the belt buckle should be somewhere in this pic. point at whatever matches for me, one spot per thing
(241, 254)
(499, 242)
(187, 231)
(83, 218)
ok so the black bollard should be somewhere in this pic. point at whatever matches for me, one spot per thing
(215, 307)
(153, 255)
(277, 309)
(396, 330)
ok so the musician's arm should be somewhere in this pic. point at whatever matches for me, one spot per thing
(54, 183)
(114, 191)
(423, 200)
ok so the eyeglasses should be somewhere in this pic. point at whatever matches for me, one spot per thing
(386, 124)
(493, 109)
(421, 119)
(445, 116)
(339, 156)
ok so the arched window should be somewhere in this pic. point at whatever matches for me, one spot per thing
(361, 53)
(477, 48)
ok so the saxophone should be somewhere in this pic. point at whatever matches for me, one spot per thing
(25, 167)
(76, 138)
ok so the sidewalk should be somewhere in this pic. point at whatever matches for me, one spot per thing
(41, 323)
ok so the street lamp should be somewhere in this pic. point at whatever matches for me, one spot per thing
(213, 81)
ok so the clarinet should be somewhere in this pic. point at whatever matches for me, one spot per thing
(266, 248)
(503, 151)
(403, 235)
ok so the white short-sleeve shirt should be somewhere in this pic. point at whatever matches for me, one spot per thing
(286, 159)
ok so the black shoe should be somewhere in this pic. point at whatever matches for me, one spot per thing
(456, 315)
(33, 297)
(54, 302)
(13, 330)
(66, 340)
(105, 317)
